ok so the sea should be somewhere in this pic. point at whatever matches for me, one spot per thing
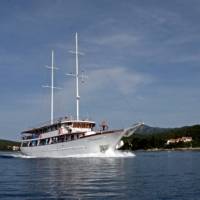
(165, 175)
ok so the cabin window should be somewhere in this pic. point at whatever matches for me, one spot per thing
(24, 144)
(54, 140)
(75, 125)
(46, 141)
(82, 125)
(61, 138)
(34, 143)
(68, 124)
(72, 137)
(42, 142)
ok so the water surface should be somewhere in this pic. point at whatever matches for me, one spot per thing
(146, 176)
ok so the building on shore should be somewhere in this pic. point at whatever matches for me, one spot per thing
(15, 148)
(178, 140)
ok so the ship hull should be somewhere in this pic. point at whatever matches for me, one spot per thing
(98, 143)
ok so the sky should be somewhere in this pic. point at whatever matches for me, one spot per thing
(141, 57)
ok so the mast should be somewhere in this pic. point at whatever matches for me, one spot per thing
(52, 86)
(76, 75)
(77, 80)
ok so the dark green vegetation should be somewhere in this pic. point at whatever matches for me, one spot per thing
(148, 138)
(6, 145)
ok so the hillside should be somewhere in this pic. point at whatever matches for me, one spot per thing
(6, 145)
(152, 137)
(146, 130)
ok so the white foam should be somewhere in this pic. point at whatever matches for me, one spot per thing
(22, 156)
(14, 155)
(116, 153)
(108, 154)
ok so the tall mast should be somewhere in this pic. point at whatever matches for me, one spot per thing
(77, 80)
(52, 86)
(77, 76)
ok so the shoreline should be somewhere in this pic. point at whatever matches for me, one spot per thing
(174, 149)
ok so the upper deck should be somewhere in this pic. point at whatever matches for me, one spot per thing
(58, 123)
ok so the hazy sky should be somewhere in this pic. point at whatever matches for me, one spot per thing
(142, 59)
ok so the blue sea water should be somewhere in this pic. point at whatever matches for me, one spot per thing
(145, 176)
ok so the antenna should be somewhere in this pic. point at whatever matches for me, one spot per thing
(76, 75)
(52, 85)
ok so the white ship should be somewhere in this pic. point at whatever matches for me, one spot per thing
(67, 137)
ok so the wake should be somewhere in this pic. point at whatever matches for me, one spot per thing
(14, 155)
(108, 154)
